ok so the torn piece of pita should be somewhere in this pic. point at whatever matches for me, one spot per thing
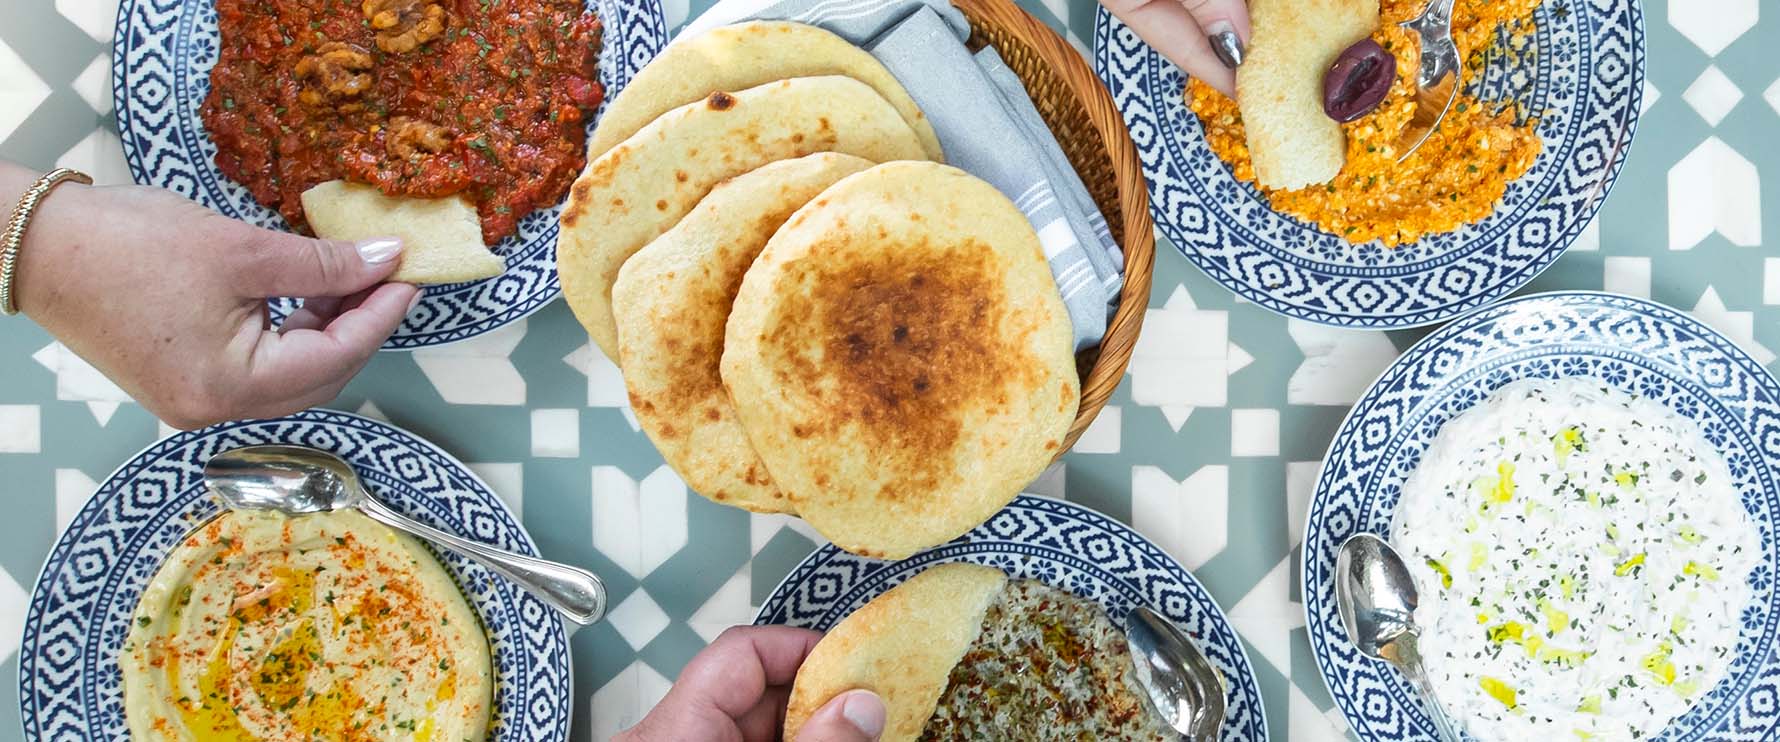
(1279, 86)
(441, 237)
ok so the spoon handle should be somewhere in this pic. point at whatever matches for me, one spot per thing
(576, 592)
(1409, 658)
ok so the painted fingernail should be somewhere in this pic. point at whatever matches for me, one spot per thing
(415, 302)
(865, 712)
(1225, 44)
(379, 250)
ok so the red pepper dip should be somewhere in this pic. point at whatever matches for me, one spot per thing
(420, 98)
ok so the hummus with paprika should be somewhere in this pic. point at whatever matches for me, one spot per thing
(320, 627)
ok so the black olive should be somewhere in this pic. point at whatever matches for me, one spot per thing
(1358, 81)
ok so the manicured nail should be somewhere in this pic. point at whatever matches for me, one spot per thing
(865, 712)
(415, 302)
(1225, 44)
(380, 250)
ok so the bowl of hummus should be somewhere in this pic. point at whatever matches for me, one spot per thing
(260, 626)
(159, 615)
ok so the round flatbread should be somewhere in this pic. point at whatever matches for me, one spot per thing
(671, 302)
(901, 645)
(641, 187)
(900, 358)
(742, 56)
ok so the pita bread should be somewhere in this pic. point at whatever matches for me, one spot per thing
(900, 358)
(742, 56)
(1279, 86)
(901, 645)
(441, 237)
(645, 184)
(671, 302)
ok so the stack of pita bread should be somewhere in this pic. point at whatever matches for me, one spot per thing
(812, 314)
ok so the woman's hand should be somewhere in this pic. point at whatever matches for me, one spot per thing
(735, 691)
(1204, 37)
(168, 299)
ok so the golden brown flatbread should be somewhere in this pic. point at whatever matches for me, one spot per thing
(672, 300)
(900, 358)
(742, 56)
(644, 185)
(1279, 86)
(441, 237)
(901, 645)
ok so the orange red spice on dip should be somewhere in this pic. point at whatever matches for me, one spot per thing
(1457, 176)
(265, 628)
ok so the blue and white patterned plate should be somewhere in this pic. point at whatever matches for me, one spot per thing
(1644, 348)
(162, 54)
(1584, 78)
(69, 682)
(1061, 544)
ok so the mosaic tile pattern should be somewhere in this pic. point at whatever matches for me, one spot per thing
(1210, 448)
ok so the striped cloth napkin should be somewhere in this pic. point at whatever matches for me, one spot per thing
(987, 125)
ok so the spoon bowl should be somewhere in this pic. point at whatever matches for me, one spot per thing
(1181, 684)
(296, 480)
(1437, 75)
(1376, 597)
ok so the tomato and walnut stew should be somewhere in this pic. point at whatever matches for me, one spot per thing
(420, 98)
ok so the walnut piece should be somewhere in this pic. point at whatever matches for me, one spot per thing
(336, 74)
(402, 25)
(410, 137)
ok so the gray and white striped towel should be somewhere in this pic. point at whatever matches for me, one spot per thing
(987, 125)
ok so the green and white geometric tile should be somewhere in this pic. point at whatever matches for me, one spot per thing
(1210, 447)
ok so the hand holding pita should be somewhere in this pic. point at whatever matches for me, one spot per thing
(168, 300)
(735, 691)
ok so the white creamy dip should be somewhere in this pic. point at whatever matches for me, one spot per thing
(1582, 557)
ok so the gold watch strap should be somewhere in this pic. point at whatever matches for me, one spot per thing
(14, 237)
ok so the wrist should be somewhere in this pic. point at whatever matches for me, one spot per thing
(46, 237)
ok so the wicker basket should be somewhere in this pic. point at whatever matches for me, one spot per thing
(1080, 112)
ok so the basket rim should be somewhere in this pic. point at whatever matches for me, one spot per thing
(1139, 244)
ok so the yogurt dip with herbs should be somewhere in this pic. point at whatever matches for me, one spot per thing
(1582, 557)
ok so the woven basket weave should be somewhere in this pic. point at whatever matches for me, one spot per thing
(1081, 114)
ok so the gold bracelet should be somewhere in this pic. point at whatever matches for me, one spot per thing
(14, 236)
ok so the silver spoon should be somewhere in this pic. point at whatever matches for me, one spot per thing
(1182, 685)
(1376, 598)
(1436, 82)
(297, 480)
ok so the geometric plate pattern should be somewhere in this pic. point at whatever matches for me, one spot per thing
(1210, 448)
(1057, 543)
(1582, 72)
(70, 687)
(162, 55)
(1640, 347)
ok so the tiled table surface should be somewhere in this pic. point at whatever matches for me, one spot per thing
(1210, 447)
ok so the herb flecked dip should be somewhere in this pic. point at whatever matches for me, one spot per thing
(1046, 666)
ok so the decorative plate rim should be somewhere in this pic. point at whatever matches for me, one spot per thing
(1149, 112)
(1583, 297)
(782, 591)
(89, 509)
(448, 313)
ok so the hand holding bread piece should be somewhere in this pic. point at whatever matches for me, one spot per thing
(901, 645)
(1279, 87)
(441, 237)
